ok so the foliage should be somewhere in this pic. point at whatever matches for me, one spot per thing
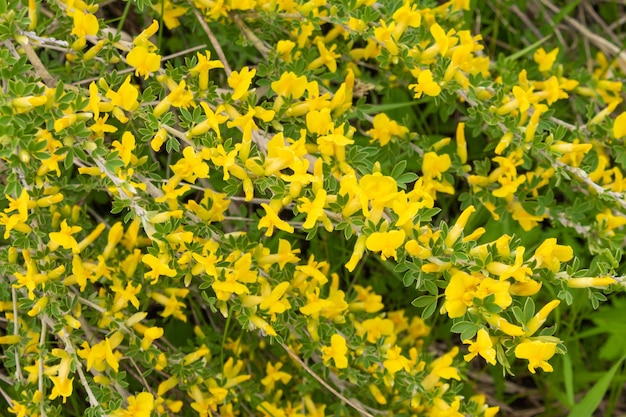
(288, 208)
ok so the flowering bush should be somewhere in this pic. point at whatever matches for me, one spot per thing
(288, 208)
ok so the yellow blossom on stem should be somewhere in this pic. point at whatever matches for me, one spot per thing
(337, 351)
(62, 385)
(202, 68)
(84, 24)
(384, 129)
(273, 374)
(395, 361)
(386, 242)
(459, 294)
(545, 59)
(191, 166)
(38, 306)
(590, 282)
(537, 321)
(64, 238)
(274, 302)
(425, 85)
(101, 354)
(126, 147)
(290, 85)
(377, 394)
(619, 126)
(327, 57)
(125, 98)
(482, 346)
(271, 220)
(550, 255)
(145, 62)
(173, 307)
(170, 13)
(376, 328)
(442, 368)
(384, 35)
(537, 353)
(455, 231)
(357, 253)
(433, 165)
(240, 82)
(500, 323)
(140, 405)
(159, 266)
(518, 271)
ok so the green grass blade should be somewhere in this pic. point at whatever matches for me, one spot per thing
(568, 378)
(565, 11)
(590, 403)
(379, 108)
(526, 50)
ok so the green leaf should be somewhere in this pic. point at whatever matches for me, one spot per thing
(590, 402)
(399, 169)
(424, 300)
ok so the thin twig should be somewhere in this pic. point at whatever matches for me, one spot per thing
(69, 348)
(16, 332)
(40, 69)
(336, 393)
(258, 43)
(216, 45)
(42, 344)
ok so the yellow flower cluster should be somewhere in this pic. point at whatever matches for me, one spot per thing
(207, 233)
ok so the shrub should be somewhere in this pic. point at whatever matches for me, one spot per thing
(289, 208)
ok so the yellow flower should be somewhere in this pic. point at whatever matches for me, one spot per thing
(433, 165)
(64, 238)
(386, 242)
(482, 346)
(327, 57)
(171, 13)
(144, 62)
(545, 59)
(203, 67)
(84, 24)
(455, 231)
(619, 126)
(191, 166)
(500, 323)
(274, 302)
(425, 85)
(590, 282)
(384, 35)
(101, 354)
(290, 85)
(150, 335)
(337, 351)
(62, 387)
(240, 81)
(376, 329)
(159, 266)
(384, 129)
(550, 255)
(138, 406)
(271, 220)
(395, 361)
(273, 374)
(125, 98)
(533, 324)
(126, 147)
(537, 353)
(459, 294)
